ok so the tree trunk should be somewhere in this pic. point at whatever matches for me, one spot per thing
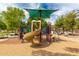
(63, 30)
(72, 31)
(12, 31)
(15, 31)
(7, 32)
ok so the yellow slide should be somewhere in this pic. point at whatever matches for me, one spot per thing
(29, 36)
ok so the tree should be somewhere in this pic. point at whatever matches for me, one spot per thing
(69, 20)
(13, 17)
(77, 23)
(2, 24)
(66, 22)
(59, 23)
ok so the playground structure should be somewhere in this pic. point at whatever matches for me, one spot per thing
(34, 32)
(32, 25)
(37, 24)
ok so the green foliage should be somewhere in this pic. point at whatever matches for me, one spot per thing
(13, 17)
(23, 24)
(67, 22)
(59, 22)
(2, 25)
(77, 24)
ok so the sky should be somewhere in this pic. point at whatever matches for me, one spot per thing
(63, 8)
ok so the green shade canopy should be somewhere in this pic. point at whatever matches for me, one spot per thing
(36, 13)
(43, 13)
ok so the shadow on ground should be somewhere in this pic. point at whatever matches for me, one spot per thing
(41, 45)
(45, 43)
(58, 40)
(48, 53)
(73, 50)
(75, 34)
